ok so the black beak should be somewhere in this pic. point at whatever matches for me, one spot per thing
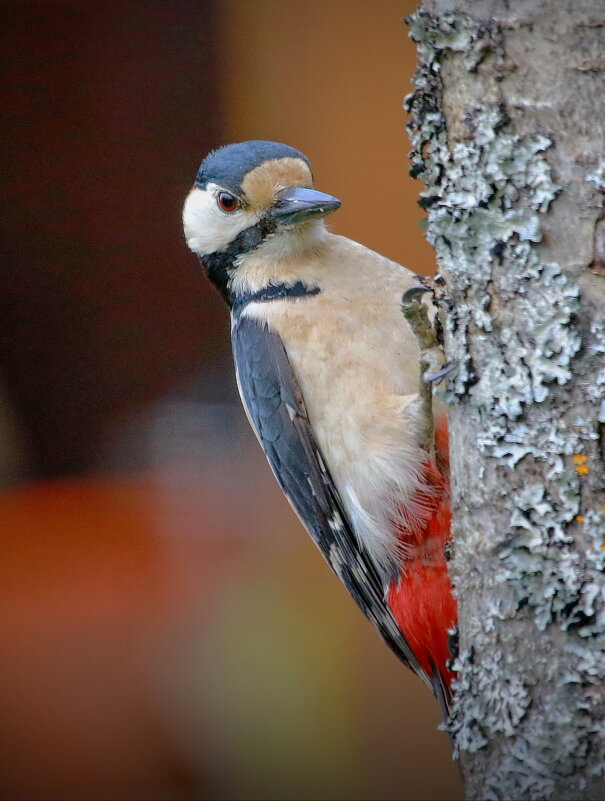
(295, 204)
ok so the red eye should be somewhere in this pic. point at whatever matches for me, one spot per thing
(226, 202)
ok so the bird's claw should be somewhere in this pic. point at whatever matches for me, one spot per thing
(447, 368)
(413, 293)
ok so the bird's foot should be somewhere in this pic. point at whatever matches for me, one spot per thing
(432, 359)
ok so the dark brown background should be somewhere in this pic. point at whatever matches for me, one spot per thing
(107, 107)
(168, 629)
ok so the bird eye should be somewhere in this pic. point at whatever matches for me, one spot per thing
(226, 202)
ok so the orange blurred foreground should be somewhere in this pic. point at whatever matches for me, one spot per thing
(90, 587)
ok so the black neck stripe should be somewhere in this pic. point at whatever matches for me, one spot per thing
(273, 292)
(217, 265)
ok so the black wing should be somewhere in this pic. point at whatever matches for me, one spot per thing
(276, 408)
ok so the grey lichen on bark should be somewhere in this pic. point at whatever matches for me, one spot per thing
(507, 125)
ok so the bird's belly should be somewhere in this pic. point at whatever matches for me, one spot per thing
(354, 382)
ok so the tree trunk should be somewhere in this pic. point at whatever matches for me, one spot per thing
(508, 133)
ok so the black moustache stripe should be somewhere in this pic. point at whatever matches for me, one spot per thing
(219, 265)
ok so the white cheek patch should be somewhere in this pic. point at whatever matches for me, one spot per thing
(207, 228)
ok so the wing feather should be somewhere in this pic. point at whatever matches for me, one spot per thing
(276, 409)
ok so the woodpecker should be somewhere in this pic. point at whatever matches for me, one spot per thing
(328, 372)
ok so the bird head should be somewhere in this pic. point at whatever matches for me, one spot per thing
(249, 197)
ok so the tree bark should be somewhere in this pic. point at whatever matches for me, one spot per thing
(507, 125)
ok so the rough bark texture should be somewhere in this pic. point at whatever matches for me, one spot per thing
(508, 129)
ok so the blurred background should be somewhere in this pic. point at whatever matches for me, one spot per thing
(168, 629)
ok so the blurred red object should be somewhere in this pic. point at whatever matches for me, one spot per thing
(89, 587)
